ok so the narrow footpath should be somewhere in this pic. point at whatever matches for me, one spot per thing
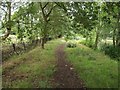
(65, 76)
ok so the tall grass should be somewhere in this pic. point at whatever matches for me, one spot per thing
(94, 68)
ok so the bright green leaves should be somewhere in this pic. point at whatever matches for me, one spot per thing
(67, 19)
(32, 8)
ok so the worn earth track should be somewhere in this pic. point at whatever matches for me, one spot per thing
(65, 76)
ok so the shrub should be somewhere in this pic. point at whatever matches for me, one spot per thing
(113, 52)
(89, 43)
(71, 45)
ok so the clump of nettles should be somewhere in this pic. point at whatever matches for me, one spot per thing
(71, 45)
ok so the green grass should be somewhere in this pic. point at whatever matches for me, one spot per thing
(36, 70)
(93, 67)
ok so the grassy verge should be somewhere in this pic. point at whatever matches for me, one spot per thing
(33, 69)
(94, 68)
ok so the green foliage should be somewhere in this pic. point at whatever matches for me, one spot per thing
(65, 19)
(7, 41)
(71, 45)
(113, 52)
(87, 43)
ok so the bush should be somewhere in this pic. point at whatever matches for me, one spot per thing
(113, 52)
(89, 43)
(71, 45)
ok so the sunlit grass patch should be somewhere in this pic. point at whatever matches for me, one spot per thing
(94, 68)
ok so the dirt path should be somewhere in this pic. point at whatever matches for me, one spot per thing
(65, 75)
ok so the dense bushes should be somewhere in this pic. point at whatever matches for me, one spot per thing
(89, 43)
(113, 52)
(108, 49)
(71, 44)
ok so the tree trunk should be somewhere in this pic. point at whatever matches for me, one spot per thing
(24, 46)
(43, 42)
(86, 40)
(14, 47)
(118, 39)
(97, 37)
(118, 32)
(40, 41)
(114, 33)
(46, 20)
(8, 21)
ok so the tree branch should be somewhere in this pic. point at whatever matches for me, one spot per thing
(63, 7)
(44, 16)
(9, 21)
(45, 5)
(50, 11)
(3, 9)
